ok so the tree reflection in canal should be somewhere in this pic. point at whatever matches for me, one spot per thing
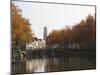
(54, 64)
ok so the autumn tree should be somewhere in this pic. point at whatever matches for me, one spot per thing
(21, 31)
(81, 35)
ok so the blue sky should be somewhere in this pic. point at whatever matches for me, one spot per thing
(53, 16)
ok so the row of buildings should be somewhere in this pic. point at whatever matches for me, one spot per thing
(38, 43)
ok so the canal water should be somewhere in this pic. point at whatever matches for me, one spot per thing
(54, 64)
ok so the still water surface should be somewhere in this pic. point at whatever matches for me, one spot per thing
(35, 65)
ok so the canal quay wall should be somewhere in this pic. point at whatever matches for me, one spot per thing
(58, 52)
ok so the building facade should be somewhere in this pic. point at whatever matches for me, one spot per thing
(36, 44)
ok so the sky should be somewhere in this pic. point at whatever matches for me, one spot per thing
(53, 16)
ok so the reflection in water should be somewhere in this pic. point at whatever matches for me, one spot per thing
(54, 64)
(58, 64)
(55, 61)
(36, 65)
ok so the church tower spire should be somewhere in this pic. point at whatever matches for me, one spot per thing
(45, 33)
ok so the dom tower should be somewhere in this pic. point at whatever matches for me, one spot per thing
(45, 33)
